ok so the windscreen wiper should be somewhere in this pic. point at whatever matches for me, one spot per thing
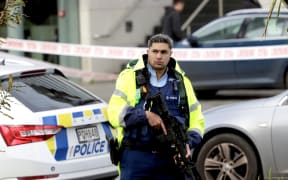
(87, 101)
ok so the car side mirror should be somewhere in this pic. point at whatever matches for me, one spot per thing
(193, 41)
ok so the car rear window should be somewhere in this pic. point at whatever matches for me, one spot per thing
(49, 92)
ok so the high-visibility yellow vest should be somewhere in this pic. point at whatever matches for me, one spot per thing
(125, 95)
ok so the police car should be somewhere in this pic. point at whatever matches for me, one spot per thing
(50, 128)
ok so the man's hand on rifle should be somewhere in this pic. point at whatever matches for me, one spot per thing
(188, 151)
(155, 121)
(187, 156)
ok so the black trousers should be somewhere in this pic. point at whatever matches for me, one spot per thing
(145, 165)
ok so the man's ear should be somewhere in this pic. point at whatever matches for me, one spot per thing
(171, 52)
(147, 51)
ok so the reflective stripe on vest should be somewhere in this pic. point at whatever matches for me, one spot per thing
(194, 106)
(117, 92)
(122, 115)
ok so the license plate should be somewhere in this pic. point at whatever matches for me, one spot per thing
(87, 134)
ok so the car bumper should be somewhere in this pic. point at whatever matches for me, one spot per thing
(27, 161)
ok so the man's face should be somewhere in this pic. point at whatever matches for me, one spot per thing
(159, 56)
(179, 6)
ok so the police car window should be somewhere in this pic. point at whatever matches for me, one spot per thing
(225, 29)
(49, 92)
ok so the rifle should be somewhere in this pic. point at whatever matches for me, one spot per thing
(176, 135)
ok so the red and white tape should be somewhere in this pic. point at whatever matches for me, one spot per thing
(68, 71)
(127, 53)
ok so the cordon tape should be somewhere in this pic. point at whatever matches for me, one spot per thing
(127, 53)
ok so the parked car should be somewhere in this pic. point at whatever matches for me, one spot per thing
(240, 28)
(54, 128)
(245, 140)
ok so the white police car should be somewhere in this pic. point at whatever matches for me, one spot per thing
(54, 128)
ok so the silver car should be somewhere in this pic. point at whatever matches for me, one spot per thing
(245, 141)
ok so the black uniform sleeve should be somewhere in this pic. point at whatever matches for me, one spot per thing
(135, 116)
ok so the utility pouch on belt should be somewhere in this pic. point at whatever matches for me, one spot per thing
(115, 150)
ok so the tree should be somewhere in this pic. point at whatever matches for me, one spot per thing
(5, 97)
(10, 11)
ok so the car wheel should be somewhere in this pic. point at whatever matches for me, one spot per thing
(227, 157)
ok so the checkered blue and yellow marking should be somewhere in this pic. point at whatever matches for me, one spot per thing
(75, 118)
(58, 144)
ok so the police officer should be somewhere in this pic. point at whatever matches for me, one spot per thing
(143, 155)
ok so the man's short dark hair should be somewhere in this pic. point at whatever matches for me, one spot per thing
(178, 1)
(160, 38)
